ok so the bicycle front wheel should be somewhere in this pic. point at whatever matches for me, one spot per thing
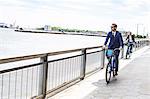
(108, 73)
(127, 53)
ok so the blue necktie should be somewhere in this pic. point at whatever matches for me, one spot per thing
(113, 35)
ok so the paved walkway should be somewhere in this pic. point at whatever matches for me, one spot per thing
(133, 81)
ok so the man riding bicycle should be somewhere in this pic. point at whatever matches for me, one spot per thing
(130, 40)
(116, 41)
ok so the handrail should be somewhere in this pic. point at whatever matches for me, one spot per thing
(13, 59)
(26, 57)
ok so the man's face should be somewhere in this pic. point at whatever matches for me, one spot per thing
(113, 28)
(129, 33)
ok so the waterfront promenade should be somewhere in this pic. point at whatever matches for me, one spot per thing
(41, 76)
(133, 81)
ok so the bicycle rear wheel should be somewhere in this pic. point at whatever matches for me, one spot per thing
(128, 53)
(108, 73)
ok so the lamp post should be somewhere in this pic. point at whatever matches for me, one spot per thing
(138, 28)
(144, 31)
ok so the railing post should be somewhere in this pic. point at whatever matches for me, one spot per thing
(147, 42)
(103, 59)
(136, 45)
(83, 66)
(43, 73)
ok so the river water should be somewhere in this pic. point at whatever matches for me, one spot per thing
(20, 43)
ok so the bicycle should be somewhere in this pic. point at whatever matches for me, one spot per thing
(110, 69)
(128, 52)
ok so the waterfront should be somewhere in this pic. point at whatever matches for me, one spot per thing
(19, 44)
(14, 44)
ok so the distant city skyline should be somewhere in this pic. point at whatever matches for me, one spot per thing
(79, 14)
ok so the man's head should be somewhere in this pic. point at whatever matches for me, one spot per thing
(114, 27)
(129, 33)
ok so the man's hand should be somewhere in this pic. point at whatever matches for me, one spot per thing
(104, 47)
(120, 48)
(126, 42)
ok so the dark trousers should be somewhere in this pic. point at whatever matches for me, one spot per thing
(131, 46)
(117, 52)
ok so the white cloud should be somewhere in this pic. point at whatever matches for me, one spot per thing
(83, 14)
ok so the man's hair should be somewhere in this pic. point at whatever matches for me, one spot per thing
(115, 25)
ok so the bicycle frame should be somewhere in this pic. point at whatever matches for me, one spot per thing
(111, 60)
(129, 45)
(110, 69)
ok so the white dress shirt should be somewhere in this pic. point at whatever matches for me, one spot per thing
(114, 33)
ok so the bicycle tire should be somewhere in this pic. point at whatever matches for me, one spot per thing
(128, 53)
(108, 73)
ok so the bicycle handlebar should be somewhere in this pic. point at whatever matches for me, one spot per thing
(113, 49)
(116, 49)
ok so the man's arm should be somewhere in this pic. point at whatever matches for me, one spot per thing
(133, 38)
(121, 41)
(127, 37)
(107, 38)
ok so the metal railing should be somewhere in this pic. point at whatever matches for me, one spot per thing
(138, 44)
(48, 73)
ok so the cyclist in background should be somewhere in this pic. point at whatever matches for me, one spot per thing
(115, 41)
(130, 40)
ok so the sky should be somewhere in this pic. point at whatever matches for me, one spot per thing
(79, 14)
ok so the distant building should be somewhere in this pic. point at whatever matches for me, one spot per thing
(102, 33)
(47, 28)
